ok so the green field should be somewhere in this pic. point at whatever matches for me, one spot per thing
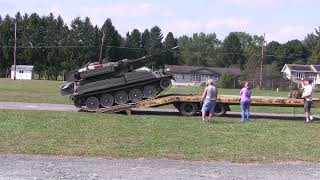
(31, 91)
(48, 92)
(167, 137)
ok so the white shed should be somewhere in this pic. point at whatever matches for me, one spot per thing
(22, 72)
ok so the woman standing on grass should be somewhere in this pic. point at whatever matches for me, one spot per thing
(209, 98)
(245, 102)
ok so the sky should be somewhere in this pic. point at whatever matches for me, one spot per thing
(280, 20)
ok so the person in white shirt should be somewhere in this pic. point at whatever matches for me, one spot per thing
(307, 96)
(209, 98)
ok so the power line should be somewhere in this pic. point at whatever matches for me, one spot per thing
(119, 47)
(74, 46)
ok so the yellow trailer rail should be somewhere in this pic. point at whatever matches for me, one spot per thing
(189, 105)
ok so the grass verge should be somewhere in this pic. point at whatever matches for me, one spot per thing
(121, 136)
(39, 91)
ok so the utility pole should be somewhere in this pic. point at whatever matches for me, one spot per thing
(262, 56)
(102, 41)
(14, 50)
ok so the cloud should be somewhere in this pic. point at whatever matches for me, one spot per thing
(127, 15)
(188, 26)
(284, 32)
(125, 10)
(253, 3)
(236, 23)
(56, 11)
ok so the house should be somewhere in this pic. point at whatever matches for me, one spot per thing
(296, 72)
(195, 75)
(22, 72)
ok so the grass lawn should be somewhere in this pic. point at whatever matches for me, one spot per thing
(31, 91)
(122, 136)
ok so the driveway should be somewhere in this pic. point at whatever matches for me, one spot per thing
(51, 167)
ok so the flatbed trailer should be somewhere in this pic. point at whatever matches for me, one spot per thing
(189, 105)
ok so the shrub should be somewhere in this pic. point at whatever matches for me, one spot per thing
(228, 80)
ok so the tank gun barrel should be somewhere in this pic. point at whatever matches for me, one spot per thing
(140, 62)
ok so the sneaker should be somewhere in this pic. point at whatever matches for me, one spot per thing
(311, 118)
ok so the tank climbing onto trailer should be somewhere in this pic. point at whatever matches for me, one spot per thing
(105, 85)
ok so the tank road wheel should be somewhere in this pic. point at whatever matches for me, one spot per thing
(149, 91)
(106, 100)
(135, 95)
(121, 97)
(165, 83)
(92, 103)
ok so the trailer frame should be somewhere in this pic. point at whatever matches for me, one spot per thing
(189, 105)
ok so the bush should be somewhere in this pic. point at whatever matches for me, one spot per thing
(228, 80)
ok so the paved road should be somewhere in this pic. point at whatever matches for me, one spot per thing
(156, 111)
(36, 106)
(50, 167)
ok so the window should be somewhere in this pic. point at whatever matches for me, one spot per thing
(205, 78)
(195, 78)
(182, 76)
(215, 77)
(299, 75)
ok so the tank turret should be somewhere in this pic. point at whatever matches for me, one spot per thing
(93, 71)
(104, 85)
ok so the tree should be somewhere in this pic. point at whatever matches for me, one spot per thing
(272, 52)
(145, 42)
(228, 80)
(200, 49)
(250, 69)
(156, 46)
(312, 42)
(271, 75)
(112, 40)
(171, 56)
(7, 40)
(134, 44)
(315, 57)
(293, 52)
(232, 52)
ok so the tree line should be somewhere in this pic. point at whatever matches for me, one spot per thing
(55, 48)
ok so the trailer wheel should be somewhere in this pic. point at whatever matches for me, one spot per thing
(220, 110)
(188, 109)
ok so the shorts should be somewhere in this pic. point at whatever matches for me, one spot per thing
(208, 106)
(307, 106)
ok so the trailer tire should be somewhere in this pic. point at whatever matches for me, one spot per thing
(220, 110)
(188, 109)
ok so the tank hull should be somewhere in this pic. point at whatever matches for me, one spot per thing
(130, 85)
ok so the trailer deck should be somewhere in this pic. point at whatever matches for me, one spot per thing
(189, 105)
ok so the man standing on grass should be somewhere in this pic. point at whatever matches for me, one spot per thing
(209, 98)
(307, 96)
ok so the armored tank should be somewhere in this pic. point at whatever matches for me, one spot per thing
(103, 85)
